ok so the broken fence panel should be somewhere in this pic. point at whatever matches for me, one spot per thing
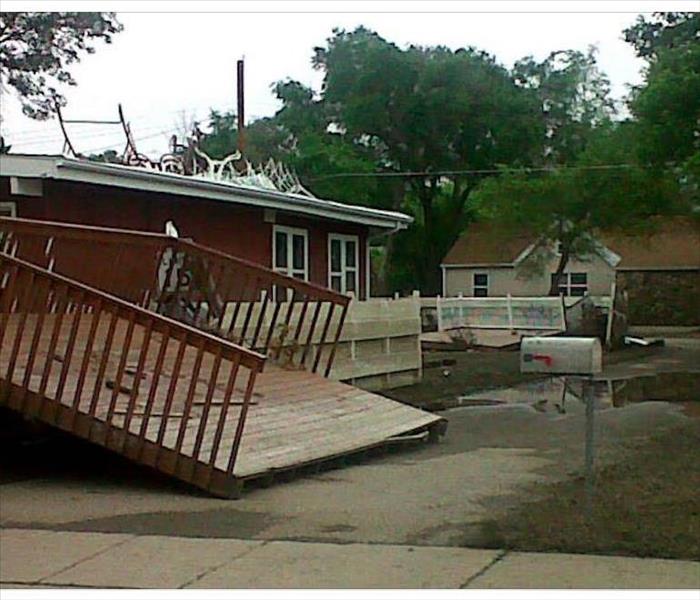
(541, 313)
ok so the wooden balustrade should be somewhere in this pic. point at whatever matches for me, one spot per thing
(119, 374)
(292, 321)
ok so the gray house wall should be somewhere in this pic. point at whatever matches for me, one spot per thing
(525, 280)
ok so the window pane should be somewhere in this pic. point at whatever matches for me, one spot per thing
(578, 291)
(563, 290)
(298, 259)
(563, 279)
(336, 282)
(280, 250)
(350, 281)
(335, 256)
(480, 292)
(350, 249)
(579, 279)
(481, 279)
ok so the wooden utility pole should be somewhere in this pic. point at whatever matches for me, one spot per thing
(241, 102)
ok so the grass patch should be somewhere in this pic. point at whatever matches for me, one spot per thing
(646, 505)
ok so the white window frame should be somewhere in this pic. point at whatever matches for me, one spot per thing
(565, 285)
(290, 231)
(475, 286)
(11, 205)
(342, 238)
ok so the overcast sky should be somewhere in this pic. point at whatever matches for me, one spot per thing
(163, 64)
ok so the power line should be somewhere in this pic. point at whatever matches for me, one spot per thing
(138, 139)
(85, 136)
(473, 171)
(136, 117)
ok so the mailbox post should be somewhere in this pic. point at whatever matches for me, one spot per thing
(574, 356)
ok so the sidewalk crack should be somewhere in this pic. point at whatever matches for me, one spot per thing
(227, 561)
(83, 559)
(498, 558)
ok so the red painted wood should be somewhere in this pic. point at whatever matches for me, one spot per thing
(236, 229)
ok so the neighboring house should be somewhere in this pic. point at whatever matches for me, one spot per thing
(659, 269)
(317, 240)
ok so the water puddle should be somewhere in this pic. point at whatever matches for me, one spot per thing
(561, 396)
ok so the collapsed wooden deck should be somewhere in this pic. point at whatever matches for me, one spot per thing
(169, 353)
(294, 417)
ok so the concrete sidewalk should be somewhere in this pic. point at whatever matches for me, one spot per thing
(40, 558)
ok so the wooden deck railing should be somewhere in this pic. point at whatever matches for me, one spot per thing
(84, 351)
(289, 320)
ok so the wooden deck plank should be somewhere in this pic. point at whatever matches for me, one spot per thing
(295, 417)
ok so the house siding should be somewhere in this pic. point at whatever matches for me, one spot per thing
(233, 228)
(522, 282)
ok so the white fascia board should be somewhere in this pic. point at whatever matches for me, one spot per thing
(524, 254)
(611, 258)
(27, 166)
(142, 179)
(478, 266)
(688, 268)
(70, 169)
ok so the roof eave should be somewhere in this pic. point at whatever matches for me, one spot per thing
(64, 168)
(476, 265)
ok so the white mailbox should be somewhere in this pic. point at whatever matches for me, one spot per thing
(563, 355)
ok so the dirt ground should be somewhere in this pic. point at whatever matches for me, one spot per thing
(644, 505)
(492, 459)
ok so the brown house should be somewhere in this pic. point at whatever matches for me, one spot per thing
(317, 240)
(659, 268)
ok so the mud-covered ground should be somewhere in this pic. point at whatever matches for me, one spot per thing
(448, 375)
(492, 460)
(643, 505)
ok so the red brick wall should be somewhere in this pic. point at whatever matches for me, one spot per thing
(233, 228)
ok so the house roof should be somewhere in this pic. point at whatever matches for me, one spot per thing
(672, 243)
(482, 244)
(72, 169)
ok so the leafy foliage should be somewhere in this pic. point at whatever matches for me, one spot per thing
(432, 112)
(574, 97)
(601, 191)
(447, 136)
(36, 48)
(667, 105)
(663, 31)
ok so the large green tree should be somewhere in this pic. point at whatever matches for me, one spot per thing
(37, 49)
(610, 175)
(666, 106)
(569, 206)
(661, 31)
(419, 128)
(445, 118)
(574, 98)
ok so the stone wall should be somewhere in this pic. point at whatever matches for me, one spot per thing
(662, 297)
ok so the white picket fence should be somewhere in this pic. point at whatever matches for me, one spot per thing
(541, 313)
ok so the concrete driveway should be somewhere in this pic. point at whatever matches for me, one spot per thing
(431, 495)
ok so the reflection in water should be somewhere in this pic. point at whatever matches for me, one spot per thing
(559, 396)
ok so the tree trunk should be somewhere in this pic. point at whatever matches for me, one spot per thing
(563, 261)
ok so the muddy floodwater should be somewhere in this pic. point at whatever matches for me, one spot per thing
(562, 396)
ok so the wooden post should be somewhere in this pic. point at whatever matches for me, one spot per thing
(509, 303)
(241, 106)
(611, 316)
